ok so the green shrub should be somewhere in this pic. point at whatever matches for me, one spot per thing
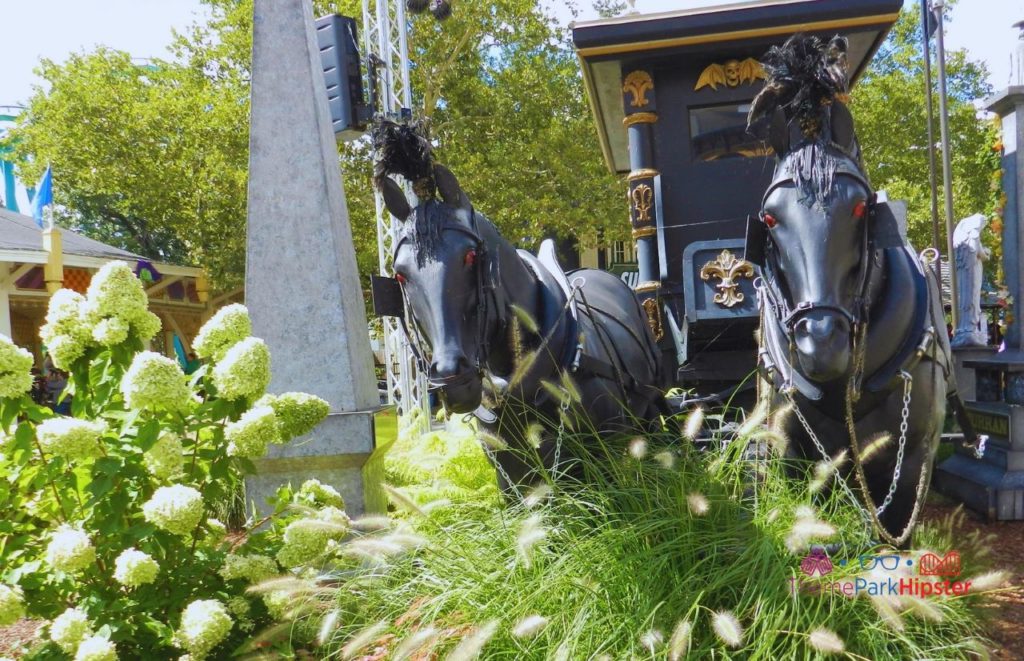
(106, 526)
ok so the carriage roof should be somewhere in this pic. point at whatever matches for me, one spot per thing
(692, 38)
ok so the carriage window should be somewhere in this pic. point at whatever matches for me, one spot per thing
(721, 132)
(622, 253)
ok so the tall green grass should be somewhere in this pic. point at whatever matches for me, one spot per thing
(654, 538)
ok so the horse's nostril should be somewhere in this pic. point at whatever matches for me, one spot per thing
(449, 365)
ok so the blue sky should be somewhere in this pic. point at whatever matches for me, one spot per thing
(54, 28)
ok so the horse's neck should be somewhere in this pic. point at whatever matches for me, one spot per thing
(518, 287)
(892, 304)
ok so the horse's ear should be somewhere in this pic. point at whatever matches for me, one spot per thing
(842, 126)
(778, 132)
(394, 198)
(449, 187)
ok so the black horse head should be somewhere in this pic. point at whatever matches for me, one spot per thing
(441, 263)
(816, 213)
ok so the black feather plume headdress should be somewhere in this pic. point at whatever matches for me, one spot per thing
(403, 149)
(803, 78)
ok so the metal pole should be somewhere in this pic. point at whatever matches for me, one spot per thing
(947, 174)
(933, 188)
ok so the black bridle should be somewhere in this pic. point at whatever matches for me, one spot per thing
(787, 313)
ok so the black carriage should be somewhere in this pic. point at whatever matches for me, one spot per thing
(670, 94)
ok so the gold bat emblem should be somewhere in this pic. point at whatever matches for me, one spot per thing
(732, 73)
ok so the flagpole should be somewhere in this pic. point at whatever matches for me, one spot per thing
(947, 174)
(933, 188)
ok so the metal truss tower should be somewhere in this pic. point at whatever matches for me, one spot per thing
(385, 42)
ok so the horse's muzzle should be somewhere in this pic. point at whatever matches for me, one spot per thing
(461, 391)
(822, 345)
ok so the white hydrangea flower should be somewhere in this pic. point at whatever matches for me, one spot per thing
(96, 648)
(15, 369)
(134, 568)
(230, 325)
(155, 381)
(115, 291)
(12, 604)
(204, 624)
(177, 509)
(249, 435)
(65, 332)
(71, 438)
(278, 603)
(166, 458)
(70, 550)
(239, 606)
(297, 413)
(244, 371)
(316, 493)
(111, 331)
(146, 325)
(69, 629)
(307, 539)
(253, 568)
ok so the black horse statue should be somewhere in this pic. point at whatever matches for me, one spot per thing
(853, 333)
(506, 335)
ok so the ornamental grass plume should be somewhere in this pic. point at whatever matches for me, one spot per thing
(204, 624)
(15, 369)
(166, 458)
(698, 504)
(70, 438)
(679, 643)
(694, 422)
(250, 435)
(638, 448)
(252, 568)
(70, 550)
(826, 641)
(229, 326)
(96, 648)
(424, 638)
(991, 580)
(531, 533)
(154, 381)
(244, 370)
(178, 509)
(652, 640)
(824, 470)
(804, 530)
(473, 643)
(134, 568)
(70, 628)
(363, 638)
(12, 604)
(727, 628)
(530, 626)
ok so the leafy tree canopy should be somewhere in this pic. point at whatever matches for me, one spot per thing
(889, 108)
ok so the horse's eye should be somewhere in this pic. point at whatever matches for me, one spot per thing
(860, 209)
(400, 278)
(470, 258)
(770, 221)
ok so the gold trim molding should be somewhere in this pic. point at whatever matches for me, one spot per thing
(649, 286)
(639, 118)
(653, 312)
(727, 268)
(839, 23)
(642, 174)
(644, 232)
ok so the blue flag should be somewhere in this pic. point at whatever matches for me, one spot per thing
(43, 196)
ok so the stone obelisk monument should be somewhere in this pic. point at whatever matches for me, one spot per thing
(301, 283)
